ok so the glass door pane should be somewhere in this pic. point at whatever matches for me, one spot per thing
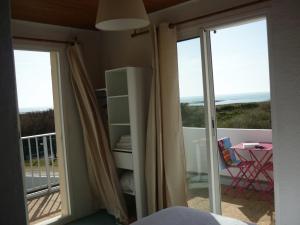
(194, 110)
(41, 145)
(242, 89)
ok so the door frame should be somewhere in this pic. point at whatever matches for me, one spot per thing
(211, 123)
(58, 69)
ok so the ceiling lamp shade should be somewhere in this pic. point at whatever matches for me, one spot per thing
(117, 15)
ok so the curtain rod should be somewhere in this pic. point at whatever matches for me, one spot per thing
(171, 25)
(44, 40)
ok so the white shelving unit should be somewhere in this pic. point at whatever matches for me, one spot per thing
(127, 105)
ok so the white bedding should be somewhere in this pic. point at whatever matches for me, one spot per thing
(187, 216)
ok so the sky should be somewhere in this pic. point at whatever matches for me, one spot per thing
(240, 61)
(34, 84)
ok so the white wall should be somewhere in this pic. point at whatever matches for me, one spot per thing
(81, 200)
(284, 44)
(12, 200)
(119, 49)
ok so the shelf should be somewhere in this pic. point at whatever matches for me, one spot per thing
(127, 93)
(129, 193)
(118, 96)
(119, 124)
(122, 150)
(100, 89)
(123, 160)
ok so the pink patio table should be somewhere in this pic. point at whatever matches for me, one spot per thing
(266, 149)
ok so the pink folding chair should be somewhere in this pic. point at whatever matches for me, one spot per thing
(229, 162)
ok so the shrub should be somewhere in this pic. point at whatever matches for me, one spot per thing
(242, 115)
(40, 122)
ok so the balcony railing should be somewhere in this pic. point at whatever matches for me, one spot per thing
(40, 161)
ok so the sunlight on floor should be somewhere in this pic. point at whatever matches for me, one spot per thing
(44, 207)
(249, 208)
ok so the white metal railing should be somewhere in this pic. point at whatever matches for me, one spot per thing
(40, 161)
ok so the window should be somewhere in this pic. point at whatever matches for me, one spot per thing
(191, 83)
(41, 131)
(241, 76)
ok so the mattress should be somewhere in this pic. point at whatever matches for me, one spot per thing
(187, 216)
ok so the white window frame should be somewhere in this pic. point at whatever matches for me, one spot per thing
(60, 50)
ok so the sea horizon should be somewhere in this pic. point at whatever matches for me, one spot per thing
(229, 98)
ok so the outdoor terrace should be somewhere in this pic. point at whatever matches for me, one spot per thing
(250, 205)
(41, 177)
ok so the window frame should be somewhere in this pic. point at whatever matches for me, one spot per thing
(57, 53)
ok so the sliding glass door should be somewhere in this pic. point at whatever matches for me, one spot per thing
(230, 62)
(197, 108)
(242, 89)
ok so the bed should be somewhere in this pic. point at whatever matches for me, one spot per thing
(187, 216)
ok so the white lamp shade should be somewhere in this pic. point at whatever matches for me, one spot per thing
(117, 15)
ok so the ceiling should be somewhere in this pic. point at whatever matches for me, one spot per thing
(72, 13)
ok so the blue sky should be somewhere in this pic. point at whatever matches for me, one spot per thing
(33, 75)
(240, 61)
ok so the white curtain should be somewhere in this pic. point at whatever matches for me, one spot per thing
(103, 176)
(165, 155)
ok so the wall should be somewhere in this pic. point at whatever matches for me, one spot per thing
(284, 45)
(81, 200)
(11, 189)
(119, 49)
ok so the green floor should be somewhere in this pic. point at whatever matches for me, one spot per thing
(101, 218)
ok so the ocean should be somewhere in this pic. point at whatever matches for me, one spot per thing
(229, 99)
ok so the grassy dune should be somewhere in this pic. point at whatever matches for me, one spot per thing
(241, 115)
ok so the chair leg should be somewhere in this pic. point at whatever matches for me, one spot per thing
(233, 182)
(244, 178)
(236, 179)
